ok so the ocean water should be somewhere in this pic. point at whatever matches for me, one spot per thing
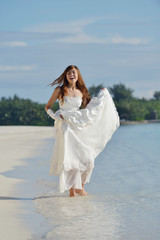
(124, 192)
(124, 200)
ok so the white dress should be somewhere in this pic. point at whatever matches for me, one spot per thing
(80, 137)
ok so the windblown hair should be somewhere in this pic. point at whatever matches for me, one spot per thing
(63, 84)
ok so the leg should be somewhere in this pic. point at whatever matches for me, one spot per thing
(85, 177)
(69, 180)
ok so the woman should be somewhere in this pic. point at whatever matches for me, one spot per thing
(80, 133)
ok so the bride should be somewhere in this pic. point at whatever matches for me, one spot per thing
(83, 126)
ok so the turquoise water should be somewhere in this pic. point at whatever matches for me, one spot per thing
(124, 200)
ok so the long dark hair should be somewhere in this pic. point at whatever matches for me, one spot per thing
(63, 83)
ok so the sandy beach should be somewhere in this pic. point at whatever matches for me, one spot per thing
(17, 143)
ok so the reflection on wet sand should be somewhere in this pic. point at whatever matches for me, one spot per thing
(78, 218)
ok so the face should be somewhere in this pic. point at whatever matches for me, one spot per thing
(72, 76)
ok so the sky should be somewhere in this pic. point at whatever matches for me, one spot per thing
(111, 42)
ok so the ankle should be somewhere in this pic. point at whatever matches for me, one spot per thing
(72, 192)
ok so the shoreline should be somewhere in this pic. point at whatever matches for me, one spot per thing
(139, 122)
(17, 144)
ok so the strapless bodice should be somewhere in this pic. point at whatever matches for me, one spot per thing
(70, 103)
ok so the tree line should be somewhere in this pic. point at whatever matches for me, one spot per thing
(132, 108)
(19, 111)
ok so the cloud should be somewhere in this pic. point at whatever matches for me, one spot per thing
(133, 41)
(70, 27)
(8, 68)
(71, 32)
(14, 44)
(84, 39)
(74, 32)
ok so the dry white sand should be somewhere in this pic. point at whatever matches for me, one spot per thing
(16, 144)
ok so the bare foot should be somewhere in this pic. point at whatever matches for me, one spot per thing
(81, 192)
(73, 195)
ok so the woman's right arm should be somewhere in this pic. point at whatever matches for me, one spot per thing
(53, 98)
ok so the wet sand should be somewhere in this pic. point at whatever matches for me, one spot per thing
(17, 143)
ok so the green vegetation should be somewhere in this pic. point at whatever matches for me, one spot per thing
(18, 111)
(134, 109)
